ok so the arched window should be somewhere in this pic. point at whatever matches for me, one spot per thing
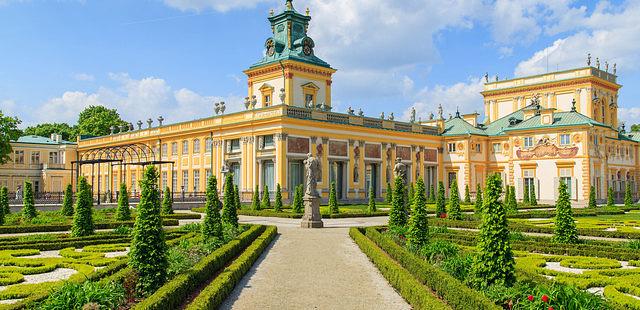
(196, 146)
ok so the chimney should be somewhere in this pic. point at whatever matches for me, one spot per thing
(471, 118)
(546, 116)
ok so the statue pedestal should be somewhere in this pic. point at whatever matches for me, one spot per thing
(311, 217)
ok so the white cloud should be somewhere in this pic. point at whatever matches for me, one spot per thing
(84, 77)
(218, 5)
(630, 116)
(464, 96)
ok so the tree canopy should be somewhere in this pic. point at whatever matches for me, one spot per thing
(46, 129)
(8, 131)
(97, 121)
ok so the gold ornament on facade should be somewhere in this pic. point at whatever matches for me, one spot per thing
(577, 138)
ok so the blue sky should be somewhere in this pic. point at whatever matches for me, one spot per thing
(176, 57)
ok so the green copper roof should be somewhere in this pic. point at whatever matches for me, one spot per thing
(560, 119)
(290, 40)
(40, 140)
(457, 126)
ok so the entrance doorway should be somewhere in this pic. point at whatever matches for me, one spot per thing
(296, 174)
(337, 175)
(371, 179)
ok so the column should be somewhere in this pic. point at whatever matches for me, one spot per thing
(282, 163)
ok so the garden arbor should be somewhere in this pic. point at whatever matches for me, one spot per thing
(122, 156)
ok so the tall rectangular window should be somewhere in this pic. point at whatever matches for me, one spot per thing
(35, 157)
(207, 175)
(208, 145)
(185, 147)
(497, 148)
(19, 157)
(196, 180)
(115, 182)
(196, 146)
(164, 150)
(478, 148)
(451, 147)
(452, 177)
(174, 148)
(164, 183)
(529, 177)
(565, 139)
(566, 175)
(54, 158)
(185, 180)
(174, 180)
(528, 142)
(267, 142)
(235, 145)
(133, 181)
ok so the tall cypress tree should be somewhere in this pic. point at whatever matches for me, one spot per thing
(28, 202)
(229, 211)
(298, 203)
(371, 207)
(610, 200)
(494, 262)
(398, 214)
(266, 201)
(432, 194)
(333, 199)
(148, 257)
(565, 225)
(236, 196)
(277, 205)
(83, 217)
(167, 201)
(592, 197)
(513, 203)
(440, 202)
(255, 200)
(122, 212)
(4, 200)
(628, 199)
(532, 196)
(212, 224)
(388, 198)
(411, 192)
(467, 195)
(418, 233)
(525, 198)
(67, 201)
(454, 202)
(478, 203)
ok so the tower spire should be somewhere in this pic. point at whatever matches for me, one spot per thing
(289, 5)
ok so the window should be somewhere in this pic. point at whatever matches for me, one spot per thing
(19, 157)
(207, 175)
(35, 157)
(497, 148)
(267, 142)
(174, 148)
(529, 175)
(452, 177)
(268, 175)
(115, 182)
(566, 176)
(478, 148)
(528, 142)
(234, 145)
(185, 147)
(267, 100)
(235, 171)
(164, 150)
(451, 147)
(196, 180)
(133, 182)
(308, 99)
(208, 145)
(185, 180)
(565, 139)
(174, 180)
(54, 158)
(595, 140)
(164, 183)
(196, 146)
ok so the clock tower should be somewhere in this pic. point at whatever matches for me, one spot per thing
(290, 72)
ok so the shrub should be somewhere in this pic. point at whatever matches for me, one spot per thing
(565, 225)
(592, 197)
(148, 256)
(410, 194)
(371, 207)
(467, 195)
(212, 224)
(532, 196)
(167, 201)
(28, 202)
(494, 263)
(277, 205)
(628, 199)
(266, 200)
(634, 244)
(432, 194)
(333, 200)
(418, 232)
(610, 199)
(255, 199)
(389, 194)
(298, 203)
(67, 201)
(398, 215)
(454, 202)
(123, 213)
(525, 198)
(510, 205)
(236, 196)
(229, 211)
(477, 208)
(439, 250)
(74, 296)
(513, 203)
(459, 266)
(440, 203)
(83, 217)
(4, 203)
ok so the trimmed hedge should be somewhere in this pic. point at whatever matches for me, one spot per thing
(172, 294)
(412, 290)
(46, 245)
(576, 213)
(270, 213)
(456, 293)
(212, 296)
(66, 227)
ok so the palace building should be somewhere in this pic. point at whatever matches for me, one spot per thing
(538, 130)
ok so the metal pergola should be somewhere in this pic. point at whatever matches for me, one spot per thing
(135, 154)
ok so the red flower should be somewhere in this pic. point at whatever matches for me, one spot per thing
(550, 308)
(443, 215)
(545, 298)
(530, 297)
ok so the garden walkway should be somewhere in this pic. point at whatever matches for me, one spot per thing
(314, 269)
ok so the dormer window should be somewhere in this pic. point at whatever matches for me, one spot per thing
(267, 95)
(310, 91)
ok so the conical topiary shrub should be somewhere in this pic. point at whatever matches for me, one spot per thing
(28, 203)
(526, 196)
(478, 203)
(513, 203)
(229, 211)
(592, 197)
(565, 225)
(432, 194)
(333, 199)
(277, 204)
(532, 196)
(441, 210)
(371, 207)
(398, 214)
(298, 203)
(83, 216)
(4, 200)
(148, 256)
(454, 202)
(418, 233)
(628, 199)
(67, 201)
(212, 223)
(410, 194)
(236, 196)
(610, 198)
(167, 201)
(266, 201)
(467, 195)
(122, 212)
(255, 200)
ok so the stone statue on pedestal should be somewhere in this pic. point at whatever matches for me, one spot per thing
(399, 170)
(311, 217)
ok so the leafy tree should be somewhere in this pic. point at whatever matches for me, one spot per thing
(565, 225)
(635, 127)
(67, 201)
(592, 197)
(8, 132)
(494, 262)
(478, 203)
(277, 205)
(298, 203)
(467, 195)
(432, 194)
(28, 202)
(123, 213)
(46, 129)
(229, 211)
(83, 217)
(255, 200)
(97, 121)
(4, 200)
(148, 257)
(333, 200)
(532, 196)
(628, 199)
(266, 202)
(236, 195)
(454, 201)
(212, 224)
(389, 196)
(610, 199)
(440, 201)
(372, 201)
(398, 215)
(525, 198)
(167, 201)
(418, 233)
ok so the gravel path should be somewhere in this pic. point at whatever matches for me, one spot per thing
(56, 275)
(314, 269)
